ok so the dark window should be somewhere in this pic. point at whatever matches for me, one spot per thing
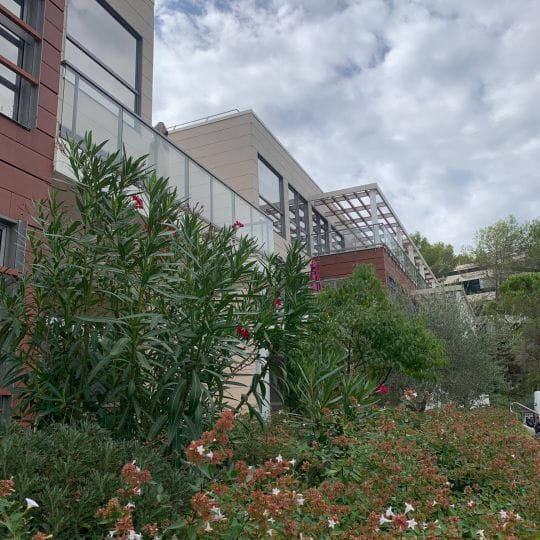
(105, 49)
(4, 239)
(472, 286)
(321, 239)
(5, 404)
(271, 195)
(12, 243)
(298, 209)
(20, 54)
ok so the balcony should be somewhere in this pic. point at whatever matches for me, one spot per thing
(349, 240)
(87, 108)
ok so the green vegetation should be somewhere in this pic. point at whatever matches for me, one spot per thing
(439, 256)
(126, 334)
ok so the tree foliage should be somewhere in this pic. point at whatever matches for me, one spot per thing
(139, 319)
(439, 256)
(358, 321)
(471, 347)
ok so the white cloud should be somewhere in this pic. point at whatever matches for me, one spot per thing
(436, 100)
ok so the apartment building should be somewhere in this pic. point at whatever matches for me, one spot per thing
(340, 229)
(72, 66)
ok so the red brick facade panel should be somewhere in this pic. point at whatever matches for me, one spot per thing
(340, 265)
(26, 155)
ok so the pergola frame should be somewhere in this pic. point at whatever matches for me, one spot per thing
(364, 212)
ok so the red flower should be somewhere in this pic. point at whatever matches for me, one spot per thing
(278, 303)
(137, 199)
(383, 389)
(238, 224)
(243, 332)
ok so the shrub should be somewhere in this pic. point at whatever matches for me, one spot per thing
(445, 474)
(72, 471)
(137, 314)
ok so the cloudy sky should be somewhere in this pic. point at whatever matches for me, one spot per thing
(436, 100)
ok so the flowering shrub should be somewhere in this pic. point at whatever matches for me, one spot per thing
(445, 474)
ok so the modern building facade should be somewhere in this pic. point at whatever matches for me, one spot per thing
(68, 67)
(340, 229)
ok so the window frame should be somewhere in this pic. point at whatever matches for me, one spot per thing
(280, 211)
(298, 201)
(137, 89)
(28, 29)
(320, 232)
(5, 236)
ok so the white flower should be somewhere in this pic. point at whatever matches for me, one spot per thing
(134, 536)
(270, 532)
(292, 462)
(423, 526)
(276, 491)
(130, 506)
(210, 455)
(389, 512)
(300, 500)
(332, 523)
(480, 533)
(451, 506)
(518, 517)
(200, 450)
(271, 520)
(137, 491)
(383, 520)
(111, 533)
(208, 527)
(513, 456)
(217, 513)
(279, 459)
(434, 503)
(134, 462)
(503, 514)
(471, 503)
(411, 523)
(408, 508)
(30, 503)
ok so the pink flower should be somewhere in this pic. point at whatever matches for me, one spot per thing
(383, 389)
(137, 199)
(278, 303)
(238, 224)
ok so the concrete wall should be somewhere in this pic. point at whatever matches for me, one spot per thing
(229, 147)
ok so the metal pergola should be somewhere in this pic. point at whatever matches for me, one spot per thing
(365, 218)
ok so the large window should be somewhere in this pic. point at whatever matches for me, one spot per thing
(320, 233)
(271, 195)
(21, 23)
(106, 49)
(298, 209)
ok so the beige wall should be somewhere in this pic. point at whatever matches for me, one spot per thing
(229, 148)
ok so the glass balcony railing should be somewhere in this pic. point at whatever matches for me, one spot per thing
(357, 240)
(87, 108)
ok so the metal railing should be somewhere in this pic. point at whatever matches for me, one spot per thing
(365, 239)
(88, 108)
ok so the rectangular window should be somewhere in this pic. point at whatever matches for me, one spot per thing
(4, 240)
(298, 217)
(271, 195)
(21, 23)
(321, 239)
(106, 49)
(12, 243)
